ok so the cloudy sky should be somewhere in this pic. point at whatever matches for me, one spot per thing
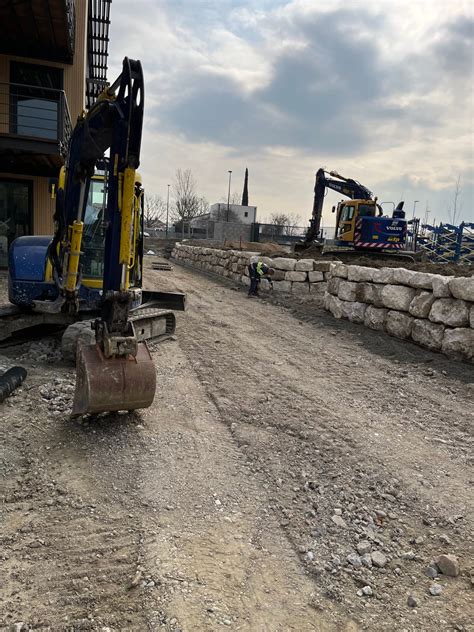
(379, 90)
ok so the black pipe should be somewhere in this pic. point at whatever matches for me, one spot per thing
(10, 380)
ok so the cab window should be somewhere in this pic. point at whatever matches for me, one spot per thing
(366, 210)
(347, 213)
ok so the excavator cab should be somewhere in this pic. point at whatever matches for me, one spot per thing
(347, 215)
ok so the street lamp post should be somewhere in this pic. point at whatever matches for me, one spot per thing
(228, 195)
(167, 210)
(414, 207)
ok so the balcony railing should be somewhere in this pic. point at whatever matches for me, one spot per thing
(35, 113)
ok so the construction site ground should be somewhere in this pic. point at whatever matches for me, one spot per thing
(279, 440)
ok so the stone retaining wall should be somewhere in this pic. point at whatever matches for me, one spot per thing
(436, 312)
(303, 277)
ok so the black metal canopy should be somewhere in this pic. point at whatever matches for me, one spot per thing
(43, 29)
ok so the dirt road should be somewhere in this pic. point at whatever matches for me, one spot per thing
(294, 473)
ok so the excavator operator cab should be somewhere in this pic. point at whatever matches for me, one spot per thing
(347, 214)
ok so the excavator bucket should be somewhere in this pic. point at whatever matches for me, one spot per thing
(111, 384)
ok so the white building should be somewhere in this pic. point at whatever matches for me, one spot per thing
(237, 213)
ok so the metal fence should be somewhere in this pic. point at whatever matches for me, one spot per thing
(278, 233)
(446, 243)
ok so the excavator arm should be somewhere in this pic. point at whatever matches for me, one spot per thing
(346, 186)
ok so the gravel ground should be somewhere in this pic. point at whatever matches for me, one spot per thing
(294, 473)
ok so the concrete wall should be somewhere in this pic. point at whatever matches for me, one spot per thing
(245, 214)
(232, 231)
(434, 311)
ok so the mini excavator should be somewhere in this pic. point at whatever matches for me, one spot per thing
(93, 265)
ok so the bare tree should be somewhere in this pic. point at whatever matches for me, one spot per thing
(453, 213)
(279, 219)
(155, 209)
(294, 221)
(224, 215)
(235, 198)
(186, 202)
(203, 206)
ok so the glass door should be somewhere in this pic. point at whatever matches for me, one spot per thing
(15, 214)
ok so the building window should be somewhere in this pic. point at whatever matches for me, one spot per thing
(16, 197)
(246, 213)
(35, 93)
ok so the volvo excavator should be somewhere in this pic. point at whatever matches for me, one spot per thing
(360, 224)
(92, 266)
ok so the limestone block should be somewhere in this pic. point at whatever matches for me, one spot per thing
(324, 266)
(397, 297)
(299, 277)
(265, 285)
(227, 274)
(360, 273)
(305, 265)
(284, 264)
(420, 306)
(354, 311)
(318, 288)
(219, 270)
(234, 267)
(369, 293)
(278, 275)
(339, 270)
(335, 306)
(267, 260)
(471, 317)
(459, 343)
(300, 288)
(462, 287)
(422, 280)
(427, 334)
(450, 311)
(245, 280)
(441, 286)
(333, 285)
(315, 275)
(395, 276)
(327, 300)
(375, 317)
(399, 324)
(347, 290)
(282, 286)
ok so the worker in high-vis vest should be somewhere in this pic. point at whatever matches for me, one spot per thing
(258, 271)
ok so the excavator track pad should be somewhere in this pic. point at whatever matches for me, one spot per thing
(113, 384)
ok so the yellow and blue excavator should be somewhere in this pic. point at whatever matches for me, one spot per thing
(93, 265)
(361, 226)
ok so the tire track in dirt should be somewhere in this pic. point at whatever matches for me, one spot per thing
(295, 399)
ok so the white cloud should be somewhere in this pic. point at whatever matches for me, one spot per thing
(380, 91)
